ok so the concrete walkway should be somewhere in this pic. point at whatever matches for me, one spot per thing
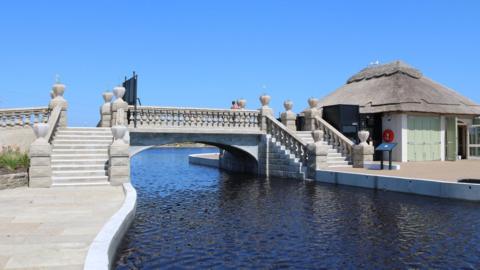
(52, 228)
(434, 170)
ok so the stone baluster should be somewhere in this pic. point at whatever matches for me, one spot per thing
(288, 117)
(265, 110)
(40, 171)
(363, 152)
(317, 154)
(106, 110)
(118, 104)
(119, 159)
(58, 100)
(310, 114)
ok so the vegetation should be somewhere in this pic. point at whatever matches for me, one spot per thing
(12, 160)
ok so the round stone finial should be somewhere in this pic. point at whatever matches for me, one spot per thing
(119, 131)
(363, 136)
(242, 103)
(58, 89)
(107, 96)
(40, 130)
(312, 102)
(265, 99)
(119, 91)
(317, 135)
(288, 105)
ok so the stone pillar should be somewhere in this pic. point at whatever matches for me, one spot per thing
(106, 110)
(58, 100)
(119, 103)
(310, 114)
(317, 154)
(242, 103)
(363, 152)
(288, 117)
(119, 159)
(264, 111)
(40, 172)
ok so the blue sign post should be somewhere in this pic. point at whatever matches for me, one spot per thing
(386, 147)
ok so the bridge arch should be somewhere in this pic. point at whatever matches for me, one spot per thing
(241, 150)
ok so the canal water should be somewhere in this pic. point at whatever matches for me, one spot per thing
(194, 217)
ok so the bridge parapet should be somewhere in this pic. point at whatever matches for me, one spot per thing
(173, 117)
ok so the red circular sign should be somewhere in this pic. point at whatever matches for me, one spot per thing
(388, 135)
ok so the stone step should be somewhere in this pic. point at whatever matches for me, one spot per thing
(337, 162)
(335, 158)
(82, 137)
(89, 183)
(80, 152)
(79, 179)
(82, 141)
(81, 146)
(83, 132)
(86, 128)
(86, 161)
(340, 166)
(79, 173)
(78, 167)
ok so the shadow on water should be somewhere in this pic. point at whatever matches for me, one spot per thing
(197, 217)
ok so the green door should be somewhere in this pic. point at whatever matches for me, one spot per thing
(423, 138)
(451, 138)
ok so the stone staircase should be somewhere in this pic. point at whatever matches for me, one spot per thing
(282, 163)
(334, 158)
(80, 156)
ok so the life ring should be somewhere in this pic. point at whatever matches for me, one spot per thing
(388, 135)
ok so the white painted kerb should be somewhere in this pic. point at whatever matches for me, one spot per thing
(102, 250)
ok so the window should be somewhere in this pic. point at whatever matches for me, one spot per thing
(475, 141)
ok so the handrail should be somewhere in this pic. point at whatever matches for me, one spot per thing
(170, 117)
(53, 122)
(287, 138)
(335, 137)
(131, 107)
(20, 117)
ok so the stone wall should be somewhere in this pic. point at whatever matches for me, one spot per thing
(237, 163)
(13, 180)
(21, 137)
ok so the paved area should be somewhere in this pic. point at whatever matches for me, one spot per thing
(435, 170)
(52, 228)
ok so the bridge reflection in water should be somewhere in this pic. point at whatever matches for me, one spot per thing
(202, 218)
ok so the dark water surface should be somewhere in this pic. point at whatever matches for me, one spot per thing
(196, 217)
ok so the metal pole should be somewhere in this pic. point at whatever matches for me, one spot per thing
(390, 160)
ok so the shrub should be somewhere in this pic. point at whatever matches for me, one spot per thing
(13, 160)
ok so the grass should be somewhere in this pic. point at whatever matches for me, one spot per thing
(12, 160)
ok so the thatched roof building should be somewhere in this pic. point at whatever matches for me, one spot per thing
(398, 87)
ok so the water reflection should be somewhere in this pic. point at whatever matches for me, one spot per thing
(197, 217)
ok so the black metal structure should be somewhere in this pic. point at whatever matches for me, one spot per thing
(345, 118)
(386, 147)
(131, 95)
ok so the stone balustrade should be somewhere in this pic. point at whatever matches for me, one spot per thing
(21, 117)
(287, 138)
(167, 117)
(335, 138)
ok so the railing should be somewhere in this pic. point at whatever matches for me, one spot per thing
(343, 144)
(168, 117)
(53, 122)
(21, 117)
(287, 138)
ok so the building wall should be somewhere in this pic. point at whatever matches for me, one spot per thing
(397, 122)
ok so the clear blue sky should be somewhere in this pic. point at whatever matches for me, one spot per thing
(207, 53)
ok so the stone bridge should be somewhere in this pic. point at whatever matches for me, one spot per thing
(253, 141)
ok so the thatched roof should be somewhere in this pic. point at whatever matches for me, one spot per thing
(398, 87)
